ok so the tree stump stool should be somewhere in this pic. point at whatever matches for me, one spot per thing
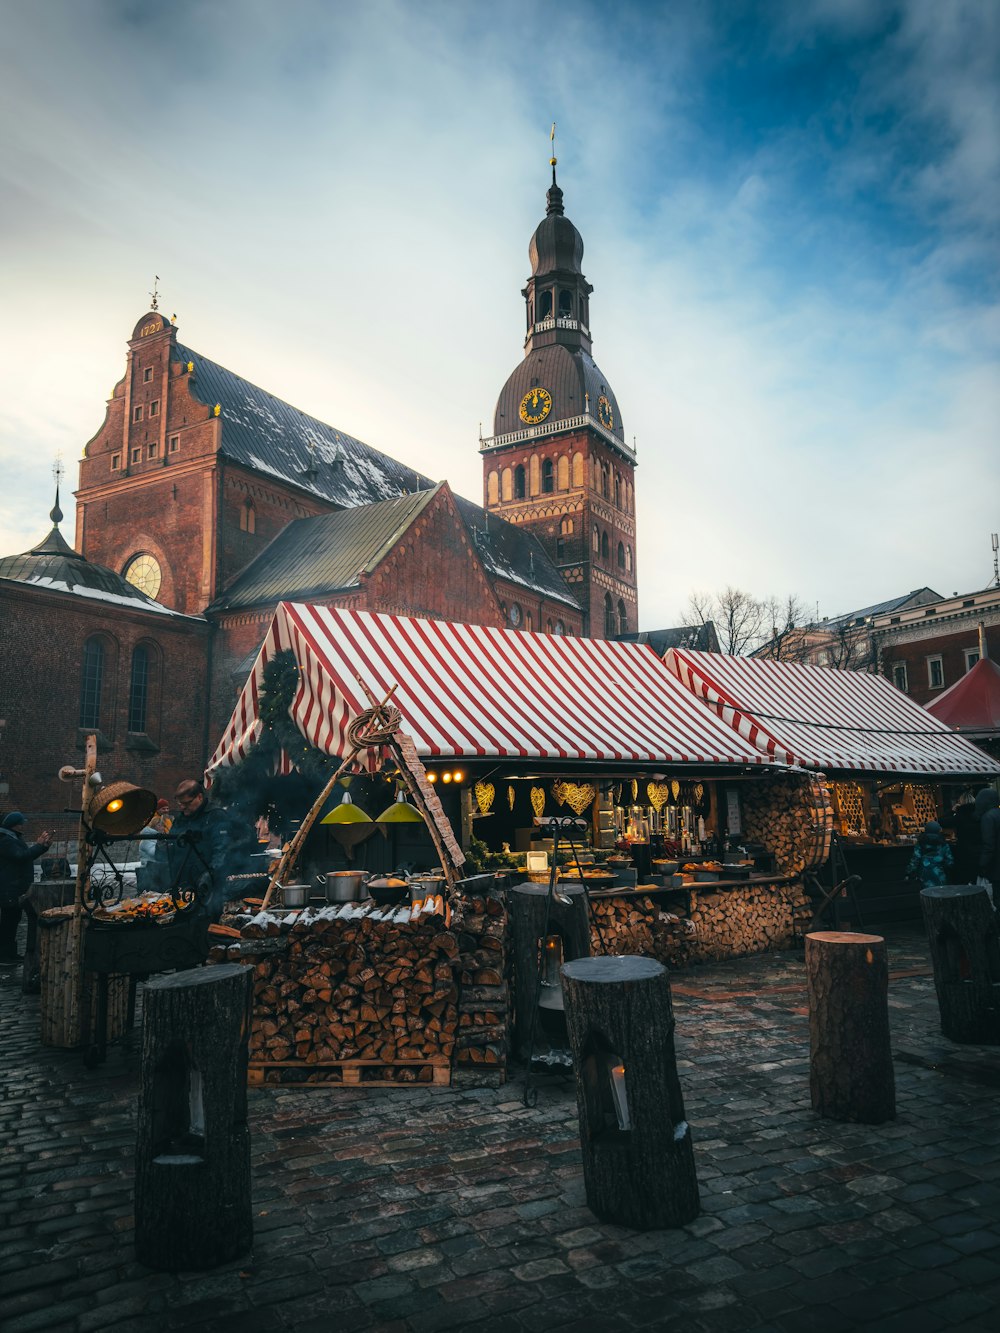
(192, 1170)
(965, 951)
(526, 908)
(71, 998)
(850, 1063)
(638, 1159)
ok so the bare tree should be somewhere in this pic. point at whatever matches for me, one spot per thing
(738, 617)
(786, 641)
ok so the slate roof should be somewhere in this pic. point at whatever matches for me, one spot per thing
(701, 638)
(514, 554)
(53, 564)
(918, 597)
(264, 433)
(323, 554)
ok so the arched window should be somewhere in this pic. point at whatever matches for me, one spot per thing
(566, 304)
(520, 489)
(562, 473)
(618, 491)
(622, 619)
(534, 485)
(628, 559)
(605, 487)
(527, 620)
(544, 305)
(578, 469)
(559, 628)
(138, 692)
(566, 527)
(506, 484)
(597, 542)
(92, 684)
(609, 616)
(621, 555)
(492, 489)
(629, 499)
(548, 627)
(548, 482)
(605, 546)
(248, 519)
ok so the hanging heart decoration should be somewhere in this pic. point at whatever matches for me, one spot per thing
(675, 789)
(559, 792)
(659, 794)
(699, 792)
(578, 796)
(538, 800)
(635, 790)
(510, 797)
(485, 792)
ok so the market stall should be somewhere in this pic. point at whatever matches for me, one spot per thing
(508, 728)
(886, 762)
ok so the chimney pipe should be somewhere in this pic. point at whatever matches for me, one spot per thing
(984, 652)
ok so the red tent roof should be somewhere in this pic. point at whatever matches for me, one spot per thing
(972, 704)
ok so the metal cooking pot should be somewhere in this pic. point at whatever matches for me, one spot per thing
(295, 895)
(341, 886)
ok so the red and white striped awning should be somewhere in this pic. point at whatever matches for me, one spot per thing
(475, 692)
(817, 717)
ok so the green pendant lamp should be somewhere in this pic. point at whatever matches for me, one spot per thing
(346, 813)
(400, 812)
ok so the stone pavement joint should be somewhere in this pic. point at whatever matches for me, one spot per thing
(424, 1209)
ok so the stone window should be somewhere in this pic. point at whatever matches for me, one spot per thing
(559, 628)
(621, 555)
(174, 443)
(622, 619)
(609, 616)
(971, 658)
(138, 694)
(520, 484)
(136, 455)
(605, 546)
(248, 517)
(147, 374)
(116, 462)
(548, 479)
(899, 675)
(91, 684)
(154, 408)
(152, 449)
(137, 413)
(566, 527)
(935, 672)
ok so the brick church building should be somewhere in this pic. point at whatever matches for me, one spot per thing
(204, 500)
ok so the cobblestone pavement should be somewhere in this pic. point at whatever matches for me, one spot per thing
(433, 1209)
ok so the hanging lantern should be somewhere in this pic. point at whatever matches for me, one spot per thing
(121, 809)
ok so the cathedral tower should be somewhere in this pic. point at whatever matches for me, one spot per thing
(557, 461)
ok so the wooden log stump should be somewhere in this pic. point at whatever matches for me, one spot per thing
(192, 1176)
(526, 907)
(965, 951)
(638, 1160)
(70, 996)
(850, 1066)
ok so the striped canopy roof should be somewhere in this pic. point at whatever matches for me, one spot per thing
(820, 718)
(476, 692)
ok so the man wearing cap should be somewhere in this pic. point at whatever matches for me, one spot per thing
(17, 873)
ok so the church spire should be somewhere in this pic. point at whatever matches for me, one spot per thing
(55, 513)
(554, 197)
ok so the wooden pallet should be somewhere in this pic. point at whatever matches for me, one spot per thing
(349, 1073)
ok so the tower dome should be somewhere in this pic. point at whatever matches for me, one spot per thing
(556, 243)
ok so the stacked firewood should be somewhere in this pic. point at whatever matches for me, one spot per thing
(792, 817)
(353, 984)
(640, 926)
(720, 924)
(479, 923)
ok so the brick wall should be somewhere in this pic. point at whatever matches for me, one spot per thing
(44, 632)
(951, 647)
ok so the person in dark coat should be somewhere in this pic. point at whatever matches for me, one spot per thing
(988, 809)
(965, 822)
(198, 859)
(17, 874)
(931, 859)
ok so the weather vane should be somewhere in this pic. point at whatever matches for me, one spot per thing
(58, 471)
(155, 294)
(552, 159)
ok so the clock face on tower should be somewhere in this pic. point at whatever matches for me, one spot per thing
(535, 406)
(604, 413)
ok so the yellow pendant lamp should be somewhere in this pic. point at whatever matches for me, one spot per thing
(346, 813)
(400, 811)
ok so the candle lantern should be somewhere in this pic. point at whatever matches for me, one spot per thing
(551, 950)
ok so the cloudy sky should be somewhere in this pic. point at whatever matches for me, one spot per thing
(790, 213)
